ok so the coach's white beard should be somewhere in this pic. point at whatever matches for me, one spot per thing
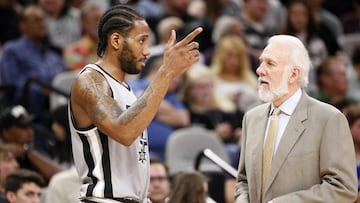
(271, 94)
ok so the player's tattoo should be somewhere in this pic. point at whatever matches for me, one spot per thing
(134, 110)
(95, 87)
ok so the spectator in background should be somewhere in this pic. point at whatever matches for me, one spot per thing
(17, 134)
(301, 23)
(228, 25)
(256, 30)
(172, 113)
(9, 16)
(208, 108)
(171, 8)
(352, 114)
(330, 28)
(61, 151)
(64, 187)
(8, 164)
(82, 52)
(354, 75)
(351, 20)
(332, 83)
(163, 31)
(30, 57)
(189, 187)
(159, 189)
(326, 18)
(63, 22)
(214, 9)
(24, 186)
(232, 72)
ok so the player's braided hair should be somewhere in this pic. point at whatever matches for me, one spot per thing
(119, 18)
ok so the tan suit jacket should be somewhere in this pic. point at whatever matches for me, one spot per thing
(314, 162)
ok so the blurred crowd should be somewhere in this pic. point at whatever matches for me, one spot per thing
(45, 43)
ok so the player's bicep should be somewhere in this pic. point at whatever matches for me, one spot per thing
(95, 97)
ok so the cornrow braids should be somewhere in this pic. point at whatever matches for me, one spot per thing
(119, 18)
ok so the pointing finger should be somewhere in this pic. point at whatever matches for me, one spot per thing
(189, 37)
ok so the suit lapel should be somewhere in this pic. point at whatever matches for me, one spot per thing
(259, 142)
(292, 132)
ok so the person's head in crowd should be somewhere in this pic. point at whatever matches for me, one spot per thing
(189, 187)
(231, 60)
(159, 188)
(332, 79)
(91, 12)
(197, 8)
(16, 125)
(227, 25)
(256, 10)
(300, 18)
(176, 8)
(24, 186)
(32, 23)
(166, 25)
(8, 165)
(289, 53)
(352, 114)
(198, 92)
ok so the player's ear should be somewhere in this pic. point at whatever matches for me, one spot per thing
(116, 40)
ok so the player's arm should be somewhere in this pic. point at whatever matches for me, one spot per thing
(91, 94)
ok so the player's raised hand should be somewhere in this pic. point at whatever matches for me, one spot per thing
(178, 56)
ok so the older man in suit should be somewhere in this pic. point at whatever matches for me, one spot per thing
(311, 157)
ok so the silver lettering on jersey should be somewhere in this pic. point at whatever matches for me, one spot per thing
(143, 143)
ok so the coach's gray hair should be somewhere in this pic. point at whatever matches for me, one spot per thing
(299, 56)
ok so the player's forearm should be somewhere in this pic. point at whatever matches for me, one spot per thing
(136, 118)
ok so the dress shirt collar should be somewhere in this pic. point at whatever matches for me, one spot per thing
(289, 105)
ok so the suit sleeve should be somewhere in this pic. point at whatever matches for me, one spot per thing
(337, 167)
(242, 187)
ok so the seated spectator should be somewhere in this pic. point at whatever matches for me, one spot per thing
(61, 152)
(163, 30)
(208, 108)
(302, 24)
(257, 30)
(351, 20)
(82, 52)
(332, 83)
(63, 22)
(64, 187)
(326, 18)
(17, 134)
(159, 188)
(354, 75)
(8, 164)
(234, 78)
(229, 25)
(24, 186)
(352, 114)
(172, 113)
(30, 57)
(189, 187)
(9, 16)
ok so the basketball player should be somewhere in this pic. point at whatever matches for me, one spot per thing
(108, 123)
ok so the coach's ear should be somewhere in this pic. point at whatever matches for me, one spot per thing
(116, 41)
(294, 75)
